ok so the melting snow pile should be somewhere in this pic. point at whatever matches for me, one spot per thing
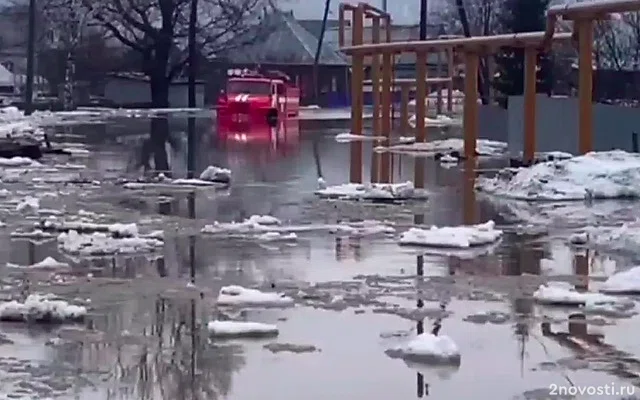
(253, 224)
(41, 308)
(427, 348)
(562, 293)
(239, 296)
(448, 146)
(595, 175)
(371, 191)
(452, 236)
(231, 329)
(216, 174)
(350, 137)
(625, 282)
(99, 243)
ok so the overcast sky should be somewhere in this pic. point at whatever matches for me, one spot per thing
(402, 11)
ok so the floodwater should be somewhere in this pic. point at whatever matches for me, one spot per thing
(146, 335)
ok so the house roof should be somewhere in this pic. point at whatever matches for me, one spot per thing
(287, 42)
(314, 26)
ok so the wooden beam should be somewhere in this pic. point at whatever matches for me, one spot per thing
(357, 77)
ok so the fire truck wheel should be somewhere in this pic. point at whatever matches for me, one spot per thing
(272, 118)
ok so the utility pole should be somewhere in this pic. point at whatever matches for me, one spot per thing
(423, 19)
(191, 122)
(384, 5)
(31, 54)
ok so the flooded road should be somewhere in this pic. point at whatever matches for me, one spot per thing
(356, 294)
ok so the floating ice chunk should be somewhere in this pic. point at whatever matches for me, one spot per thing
(41, 308)
(18, 162)
(372, 191)
(28, 204)
(595, 175)
(34, 234)
(278, 237)
(239, 296)
(562, 293)
(99, 243)
(77, 152)
(84, 225)
(253, 224)
(349, 137)
(579, 238)
(483, 147)
(625, 282)
(452, 236)
(193, 182)
(448, 159)
(216, 174)
(231, 329)
(363, 228)
(264, 220)
(624, 238)
(427, 348)
(439, 120)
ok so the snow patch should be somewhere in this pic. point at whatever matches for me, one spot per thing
(371, 191)
(595, 175)
(239, 296)
(42, 309)
(253, 224)
(452, 236)
(234, 329)
(98, 243)
(277, 237)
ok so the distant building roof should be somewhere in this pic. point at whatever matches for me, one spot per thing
(287, 42)
(314, 26)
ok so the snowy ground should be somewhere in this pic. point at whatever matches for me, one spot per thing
(293, 290)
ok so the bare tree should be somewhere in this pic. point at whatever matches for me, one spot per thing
(618, 43)
(156, 31)
(66, 22)
(474, 18)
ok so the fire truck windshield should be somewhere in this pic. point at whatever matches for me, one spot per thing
(249, 87)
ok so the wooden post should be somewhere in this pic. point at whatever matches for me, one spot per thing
(530, 62)
(404, 108)
(421, 95)
(585, 86)
(375, 94)
(470, 119)
(387, 75)
(357, 79)
(421, 130)
(450, 67)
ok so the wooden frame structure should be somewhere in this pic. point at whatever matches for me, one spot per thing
(582, 14)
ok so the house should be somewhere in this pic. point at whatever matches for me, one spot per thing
(133, 90)
(290, 48)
